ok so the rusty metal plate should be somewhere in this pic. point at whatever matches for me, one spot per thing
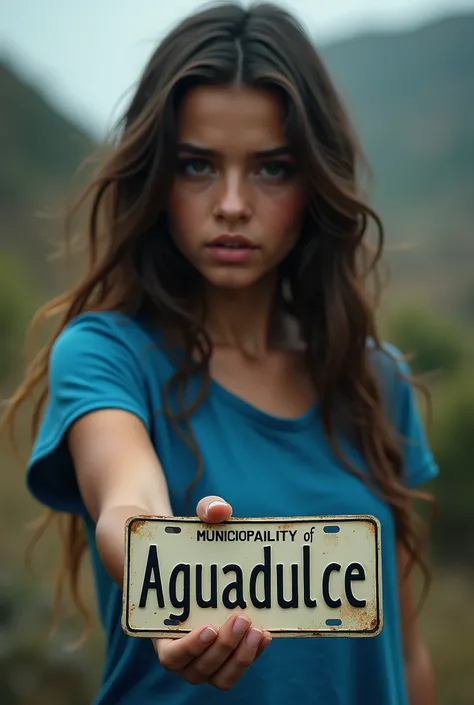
(298, 577)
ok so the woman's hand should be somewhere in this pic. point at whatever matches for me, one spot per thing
(209, 654)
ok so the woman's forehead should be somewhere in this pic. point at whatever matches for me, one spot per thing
(239, 118)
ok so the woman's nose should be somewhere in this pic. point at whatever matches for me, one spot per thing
(233, 199)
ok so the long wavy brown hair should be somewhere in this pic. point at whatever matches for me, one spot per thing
(134, 266)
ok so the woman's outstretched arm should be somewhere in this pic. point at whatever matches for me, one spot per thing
(120, 476)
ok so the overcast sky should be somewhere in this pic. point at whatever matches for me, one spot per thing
(86, 54)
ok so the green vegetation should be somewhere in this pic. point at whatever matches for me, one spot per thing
(34, 670)
(412, 98)
(467, 302)
(453, 443)
(17, 304)
(436, 344)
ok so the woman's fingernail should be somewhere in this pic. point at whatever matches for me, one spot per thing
(215, 503)
(208, 635)
(241, 625)
(265, 644)
(253, 638)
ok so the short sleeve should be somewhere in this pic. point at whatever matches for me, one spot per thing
(93, 365)
(419, 463)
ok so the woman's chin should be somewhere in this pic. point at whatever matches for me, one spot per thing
(231, 278)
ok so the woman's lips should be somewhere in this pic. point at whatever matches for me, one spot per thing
(231, 248)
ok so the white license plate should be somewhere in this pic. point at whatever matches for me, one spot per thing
(308, 576)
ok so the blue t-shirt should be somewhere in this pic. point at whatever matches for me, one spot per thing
(264, 466)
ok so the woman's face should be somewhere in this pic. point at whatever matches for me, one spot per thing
(237, 201)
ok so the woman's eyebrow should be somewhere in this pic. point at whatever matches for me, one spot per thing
(190, 148)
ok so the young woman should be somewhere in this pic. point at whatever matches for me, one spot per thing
(222, 346)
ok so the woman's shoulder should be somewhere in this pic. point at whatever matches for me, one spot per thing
(103, 323)
(112, 326)
(388, 360)
(391, 369)
(109, 335)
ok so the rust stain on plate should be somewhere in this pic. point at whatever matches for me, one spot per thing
(357, 620)
(137, 526)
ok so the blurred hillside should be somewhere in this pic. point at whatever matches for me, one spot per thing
(411, 96)
(40, 151)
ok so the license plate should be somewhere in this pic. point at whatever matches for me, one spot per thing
(298, 577)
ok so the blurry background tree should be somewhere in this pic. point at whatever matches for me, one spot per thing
(412, 97)
(434, 342)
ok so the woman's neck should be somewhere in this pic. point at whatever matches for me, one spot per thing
(246, 319)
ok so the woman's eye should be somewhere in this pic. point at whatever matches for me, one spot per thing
(277, 170)
(194, 167)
